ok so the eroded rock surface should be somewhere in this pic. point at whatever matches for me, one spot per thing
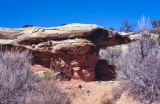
(8, 33)
(72, 49)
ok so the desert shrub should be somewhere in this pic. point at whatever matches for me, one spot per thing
(127, 26)
(25, 26)
(14, 76)
(112, 53)
(155, 26)
(139, 70)
(17, 83)
(143, 23)
(46, 92)
(48, 75)
(112, 28)
(63, 24)
(155, 23)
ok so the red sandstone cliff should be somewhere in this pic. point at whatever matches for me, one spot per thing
(72, 49)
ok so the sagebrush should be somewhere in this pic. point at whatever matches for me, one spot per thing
(139, 70)
(18, 85)
(14, 77)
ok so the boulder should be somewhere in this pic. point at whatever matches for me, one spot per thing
(72, 49)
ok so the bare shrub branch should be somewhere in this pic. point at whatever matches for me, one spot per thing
(155, 23)
(127, 26)
(19, 86)
(139, 70)
(143, 24)
(14, 76)
(156, 26)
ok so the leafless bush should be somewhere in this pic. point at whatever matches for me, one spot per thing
(155, 23)
(139, 69)
(112, 53)
(143, 24)
(17, 83)
(27, 25)
(127, 26)
(14, 76)
(156, 26)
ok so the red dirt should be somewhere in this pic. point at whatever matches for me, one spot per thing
(87, 92)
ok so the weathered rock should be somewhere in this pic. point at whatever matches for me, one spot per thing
(7, 33)
(77, 57)
(72, 49)
(6, 41)
(37, 35)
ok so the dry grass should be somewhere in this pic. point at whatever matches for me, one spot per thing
(47, 92)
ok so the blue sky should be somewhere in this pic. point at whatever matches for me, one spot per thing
(46, 13)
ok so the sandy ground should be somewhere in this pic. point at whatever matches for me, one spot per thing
(88, 92)
(95, 92)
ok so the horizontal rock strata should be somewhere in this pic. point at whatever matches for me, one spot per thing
(72, 49)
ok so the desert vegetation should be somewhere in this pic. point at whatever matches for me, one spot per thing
(127, 26)
(14, 77)
(137, 64)
(139, 68)
(20, 86)
(156, 26)
(27, 25)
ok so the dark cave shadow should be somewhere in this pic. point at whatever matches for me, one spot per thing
(104, 71)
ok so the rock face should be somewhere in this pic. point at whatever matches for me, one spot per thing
(72, 49)
(7, 33)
